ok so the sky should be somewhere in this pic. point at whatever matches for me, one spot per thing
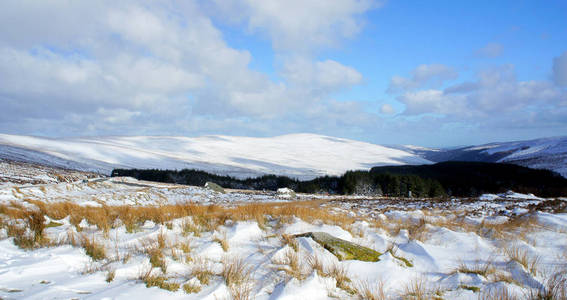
(430, 73)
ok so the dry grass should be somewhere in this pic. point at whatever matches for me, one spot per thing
(291, 264)
(202, 270)
(478, 267)
(237, 277)
(290, 240)
(497, 294)
(554, 287)
(222, 240)
(162, 283)
(366, 290)
(340, 274)
(204, 217)
(157, 259)
(417, 289)
(418, 231)
(93, 249)
(190, 288)
(529, 262)
(110, 276)
(316, 264)
(189, 227)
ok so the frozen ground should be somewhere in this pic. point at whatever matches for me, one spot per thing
(450, 249)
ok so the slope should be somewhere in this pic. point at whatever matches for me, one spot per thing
(303, 156)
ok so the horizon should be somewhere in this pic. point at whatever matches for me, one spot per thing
(437, 74)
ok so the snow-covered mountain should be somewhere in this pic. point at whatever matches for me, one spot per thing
(303, 156)
(546, 153)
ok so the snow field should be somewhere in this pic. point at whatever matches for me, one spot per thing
(121, 238)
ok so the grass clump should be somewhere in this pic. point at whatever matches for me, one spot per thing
(474, 289)
(162, 283)
(290, 240)
(202, 270)
(485, 268)
(340, 274)
(238, 278)
(93, 249)
(157, 259)
(522, 256)
(191, 288)
(110, 275)
(223, 242)
(370, 291)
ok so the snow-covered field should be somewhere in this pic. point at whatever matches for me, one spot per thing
(303, 156)
(119, 238)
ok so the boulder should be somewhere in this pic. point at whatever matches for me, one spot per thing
(343, 250)
(214, 187)
(286, 193)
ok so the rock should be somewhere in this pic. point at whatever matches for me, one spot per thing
(214, 187)
(286, 193)
(343, 250)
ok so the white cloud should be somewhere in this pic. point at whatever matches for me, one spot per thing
(560, 69)
(299, 25)
(490, 50)
(496, 96)
(164, 67)
(433, 75)
(327, 75)
(387, 109)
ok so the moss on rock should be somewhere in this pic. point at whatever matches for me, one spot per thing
(343, 250)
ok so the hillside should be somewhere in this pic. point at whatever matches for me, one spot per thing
(546, 153)
(302, 156)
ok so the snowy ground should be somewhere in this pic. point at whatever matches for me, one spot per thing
(451, 249)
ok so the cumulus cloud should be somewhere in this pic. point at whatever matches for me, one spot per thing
(496, 98)
(433, 75)
(490, 50)
(327, 75)
(107, 67)
(299, 25)
(560, 69)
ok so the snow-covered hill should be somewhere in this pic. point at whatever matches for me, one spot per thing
(546, 153)
(303, 156)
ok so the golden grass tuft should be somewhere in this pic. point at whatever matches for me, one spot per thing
(290, 240)
(202, 270)
(500, 293)
(417, 289)
(366, 290)
(191, 288)
(478, 267)
(93, 249)
(222, 240)
(529, 262)
(340, 274)
(237, 277)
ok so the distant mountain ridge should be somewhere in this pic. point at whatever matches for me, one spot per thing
(545, 153)
(301, 156)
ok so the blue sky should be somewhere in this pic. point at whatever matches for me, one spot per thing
(431, 73)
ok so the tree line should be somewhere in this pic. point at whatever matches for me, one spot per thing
(462, 179)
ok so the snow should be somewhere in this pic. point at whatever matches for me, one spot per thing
(65, 272)
(546, 153)
(303, 156)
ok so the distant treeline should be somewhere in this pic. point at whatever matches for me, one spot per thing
(462, 179)
(476, 178)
